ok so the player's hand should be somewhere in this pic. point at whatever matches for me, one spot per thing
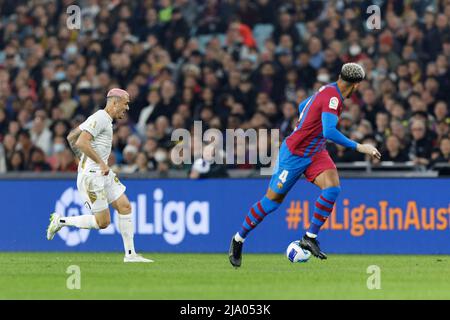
(104, 169)
(369, 149)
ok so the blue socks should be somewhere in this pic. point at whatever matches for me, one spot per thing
(256, 214)
(322, 209)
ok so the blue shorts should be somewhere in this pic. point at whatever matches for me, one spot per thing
(290, 167)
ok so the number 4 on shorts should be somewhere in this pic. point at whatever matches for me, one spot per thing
(283, 176)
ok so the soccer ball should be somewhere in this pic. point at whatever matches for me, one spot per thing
(296, 254)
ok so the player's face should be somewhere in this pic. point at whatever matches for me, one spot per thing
(353, 88)
(122, 107)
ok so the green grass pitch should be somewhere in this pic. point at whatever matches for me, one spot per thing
(210, 276)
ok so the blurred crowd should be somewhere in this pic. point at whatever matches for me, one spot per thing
(229, 63)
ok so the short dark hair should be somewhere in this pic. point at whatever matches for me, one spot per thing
(352, 72)
(25, 133)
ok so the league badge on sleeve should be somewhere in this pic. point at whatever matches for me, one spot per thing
(334, 102)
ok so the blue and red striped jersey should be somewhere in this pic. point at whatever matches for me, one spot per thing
(307, 138)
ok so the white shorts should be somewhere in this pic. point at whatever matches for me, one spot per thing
(99, 191)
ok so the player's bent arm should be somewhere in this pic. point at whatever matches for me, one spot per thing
(84, 144)
(329, 122)
(72, 138)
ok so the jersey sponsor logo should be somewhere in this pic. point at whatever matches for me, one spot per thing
(334, 102)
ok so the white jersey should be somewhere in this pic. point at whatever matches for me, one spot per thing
(99, 125)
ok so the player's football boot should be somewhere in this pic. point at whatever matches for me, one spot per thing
(54, 226)
(135, 258)
(235, 253)
(312, 245)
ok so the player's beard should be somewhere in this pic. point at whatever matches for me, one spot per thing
(119, 113)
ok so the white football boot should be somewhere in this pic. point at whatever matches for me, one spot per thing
(135, 258)
(54, 226)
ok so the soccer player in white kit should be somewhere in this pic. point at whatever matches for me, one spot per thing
(97, 184)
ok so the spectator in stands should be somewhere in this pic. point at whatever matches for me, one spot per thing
(393, 151)
(266, 11)
(421, 144)
(370, 105)
(85, 105)
(62, 158)
(167, 104)
(306, 73)
(41, 136)
(346, 123)
(289, 120)
(142, 163)
(441, 112)
(209, 21)
(67, 104)
(443, 152)
(129, 164)
(16, 162)
(381, 126)
(150, 148)
(176, 27)
(316, 53)
(38, 162)
(25, 145)
(286, 25)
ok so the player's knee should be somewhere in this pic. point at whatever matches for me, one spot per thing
(273, 196)
(270, 205)
(333, 192)
(125, 208)
(104, 223)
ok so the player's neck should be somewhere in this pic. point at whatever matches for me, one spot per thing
(343, 89)
(109, 111)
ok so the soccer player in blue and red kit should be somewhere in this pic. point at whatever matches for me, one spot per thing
(303, 152)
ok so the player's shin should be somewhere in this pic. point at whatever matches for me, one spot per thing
(126, 228)
(322, 209)
(86, 221)
(256, 214)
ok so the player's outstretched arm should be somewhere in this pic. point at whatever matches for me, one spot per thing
(72, 138)
(329, 123)
(330, 132)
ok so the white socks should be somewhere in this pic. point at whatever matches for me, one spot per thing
(311, 235)
(126, 228)
(238, 237)
(86, 221)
